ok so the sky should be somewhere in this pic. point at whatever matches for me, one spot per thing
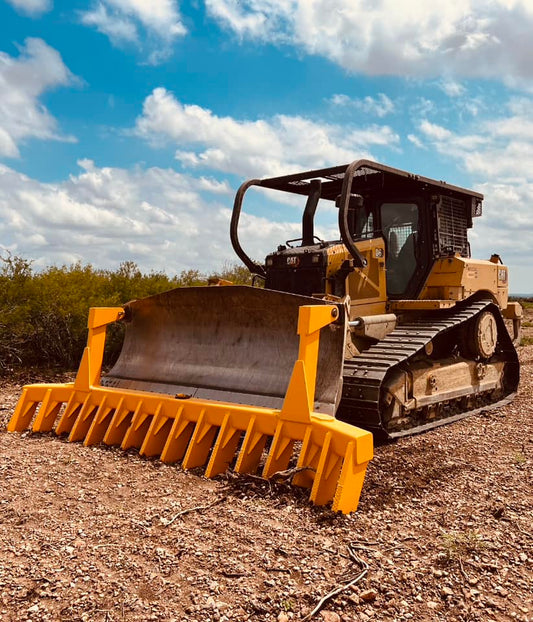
(126, 126)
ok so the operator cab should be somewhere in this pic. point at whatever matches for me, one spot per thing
(418, 219)
(397, 224)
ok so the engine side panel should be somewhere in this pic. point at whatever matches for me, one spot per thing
(458, 278)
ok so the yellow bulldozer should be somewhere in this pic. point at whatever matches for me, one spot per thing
(388, 330)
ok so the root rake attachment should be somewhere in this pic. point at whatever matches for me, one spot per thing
(198, 432)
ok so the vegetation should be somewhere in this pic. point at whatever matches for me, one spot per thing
(458, 545)
(526, 302)
(43, 315)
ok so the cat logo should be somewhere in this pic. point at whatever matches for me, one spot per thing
(293, 261)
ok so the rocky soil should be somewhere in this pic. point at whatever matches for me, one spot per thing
(444, 531)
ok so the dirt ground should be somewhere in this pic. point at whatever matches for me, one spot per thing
(444, 529)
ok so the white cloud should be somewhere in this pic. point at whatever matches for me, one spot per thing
(464, 37)
(159, 218)
(118, 28)
(416, 141)
(432, 130)
(506, 228)
(250, 148)
(497, 154)
(499, 148)
(33, 8)
(22, 81)
(452, 88)
(380, 106)
(120, 21)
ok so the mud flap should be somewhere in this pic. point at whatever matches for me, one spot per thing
(198, 431)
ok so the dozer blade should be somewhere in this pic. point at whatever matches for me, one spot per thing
(235, 344)
(169, 339)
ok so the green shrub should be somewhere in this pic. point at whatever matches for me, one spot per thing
(43, 315)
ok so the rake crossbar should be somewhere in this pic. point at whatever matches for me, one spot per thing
(332, 456)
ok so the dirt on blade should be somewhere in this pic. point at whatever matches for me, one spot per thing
(445, 526)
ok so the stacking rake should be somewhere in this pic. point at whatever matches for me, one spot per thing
(332, 456)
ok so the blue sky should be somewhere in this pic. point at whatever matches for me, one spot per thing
(127, 125)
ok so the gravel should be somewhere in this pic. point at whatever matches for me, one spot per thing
(445, 525)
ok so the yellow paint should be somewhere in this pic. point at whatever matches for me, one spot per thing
(334, 454)
(458, 278)
(366, 286)
(420, 305)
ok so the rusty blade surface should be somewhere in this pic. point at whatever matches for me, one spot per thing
(236, 344)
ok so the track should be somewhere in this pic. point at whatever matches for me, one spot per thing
(365, 377)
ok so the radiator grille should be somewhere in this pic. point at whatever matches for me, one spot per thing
(452, 226)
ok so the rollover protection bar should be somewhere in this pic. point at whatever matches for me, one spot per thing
(331, 454)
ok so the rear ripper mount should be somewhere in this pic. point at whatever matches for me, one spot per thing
(164, 420)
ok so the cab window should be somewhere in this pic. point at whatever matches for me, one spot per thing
(399, 223)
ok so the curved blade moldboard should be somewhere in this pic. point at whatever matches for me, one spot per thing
(235, 344)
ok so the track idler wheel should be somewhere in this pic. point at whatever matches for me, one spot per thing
(480, 336)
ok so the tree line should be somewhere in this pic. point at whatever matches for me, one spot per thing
(43, 314)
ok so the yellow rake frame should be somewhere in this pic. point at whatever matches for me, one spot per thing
(333, 455)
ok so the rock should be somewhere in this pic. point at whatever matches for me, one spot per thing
(330, 616)
(431, 604)
(368, 595)
(221, 605)
(283, 617)
(447, 591)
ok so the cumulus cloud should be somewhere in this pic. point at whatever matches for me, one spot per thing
(497, 148)
(250, 148)
(23, 80)
(152, 26)
(467, 37)
(380, 106)
(159, 218)
(497, 153)
(506, 228)
(34, 8)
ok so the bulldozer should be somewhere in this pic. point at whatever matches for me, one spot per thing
(390, 329)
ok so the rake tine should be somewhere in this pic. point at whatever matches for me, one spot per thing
(138, 428)
(350, 482)
(84, 421)
(157, 434)
(328, 469)
(46, 417)
(200, 443)
(178, 438)
(70, 413)
(118, 426)
(23, 413)
(308, 459)
(224, 449)
(280, 452)
(251, 449)
(100, 423)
